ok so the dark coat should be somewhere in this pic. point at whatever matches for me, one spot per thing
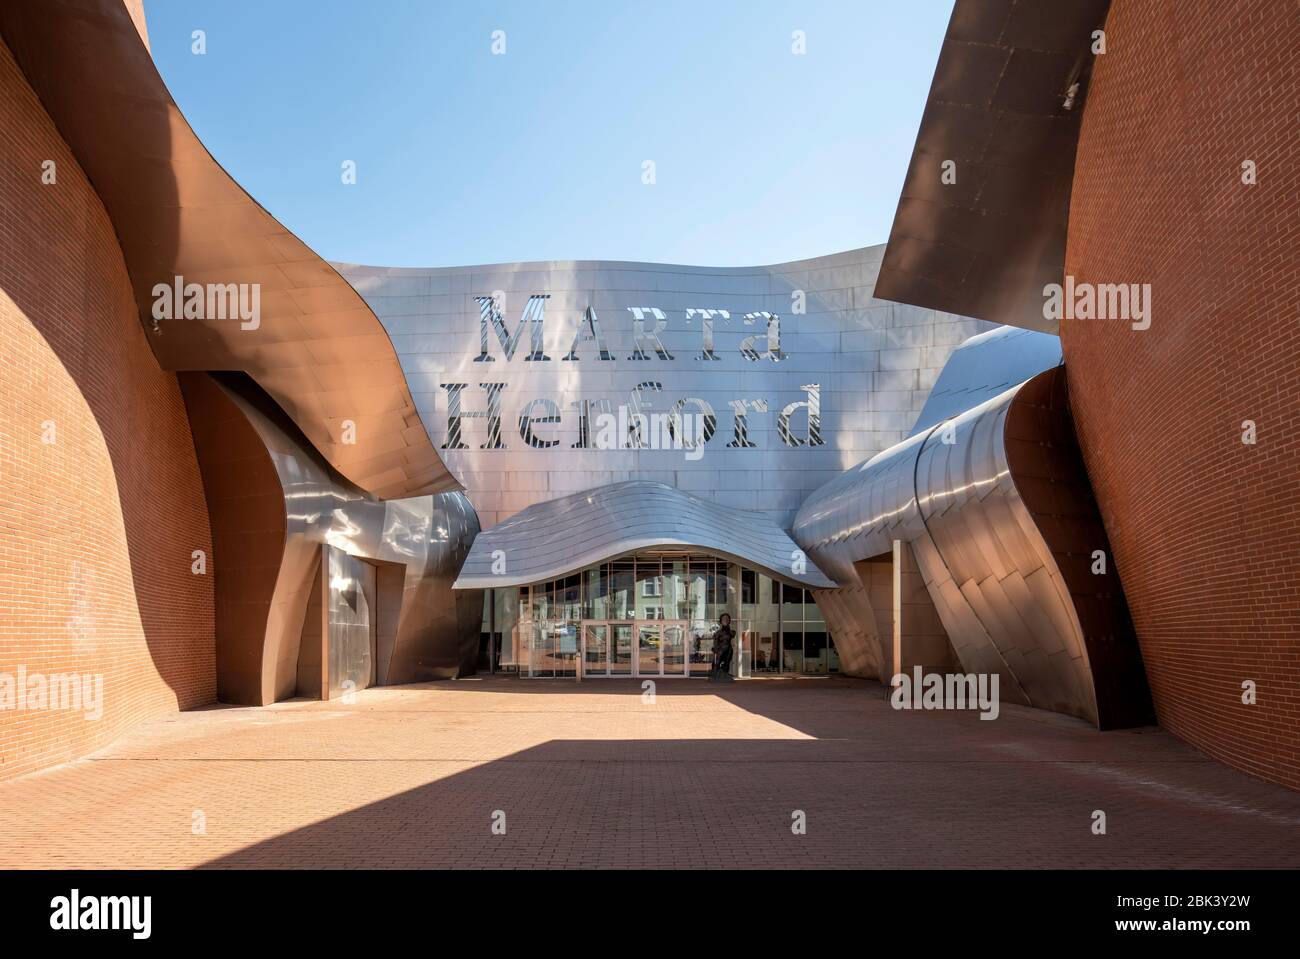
(722, 639)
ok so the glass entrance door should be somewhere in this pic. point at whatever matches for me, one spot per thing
(607, 649)
(674, 649)
(595, 649)
(620, 649)
(648, 649)
(699, 652)
(641, 649)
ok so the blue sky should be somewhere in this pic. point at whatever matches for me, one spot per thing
(464, 157)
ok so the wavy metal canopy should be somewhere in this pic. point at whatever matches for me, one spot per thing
(319, 351)
(560, 536)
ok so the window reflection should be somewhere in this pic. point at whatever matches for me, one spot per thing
(654, 614)
(649, 589)
(621, 585)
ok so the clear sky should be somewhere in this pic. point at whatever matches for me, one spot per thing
(463, 156)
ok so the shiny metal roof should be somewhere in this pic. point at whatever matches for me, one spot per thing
(563, 535)
(986, 245)
(319, 351)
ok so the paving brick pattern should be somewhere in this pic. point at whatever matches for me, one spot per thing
(590, 775)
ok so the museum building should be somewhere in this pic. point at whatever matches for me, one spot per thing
(232, 471)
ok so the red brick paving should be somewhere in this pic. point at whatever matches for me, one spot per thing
(591, 776)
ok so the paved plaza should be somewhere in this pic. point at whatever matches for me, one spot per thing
(594, 775)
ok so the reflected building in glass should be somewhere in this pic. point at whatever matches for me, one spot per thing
(653, 614)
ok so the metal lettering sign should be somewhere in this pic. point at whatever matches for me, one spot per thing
(646, 344)
(749, 386)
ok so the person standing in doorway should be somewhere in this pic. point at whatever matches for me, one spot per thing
(723, 637)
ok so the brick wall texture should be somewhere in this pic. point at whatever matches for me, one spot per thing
(97, 527)
(1205, 528)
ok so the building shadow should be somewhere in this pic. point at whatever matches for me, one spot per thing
(933, 790)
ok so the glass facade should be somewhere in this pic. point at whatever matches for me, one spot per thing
(805, 642)
(653, 615)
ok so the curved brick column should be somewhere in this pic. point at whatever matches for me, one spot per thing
(96, 528)
(1205, 528)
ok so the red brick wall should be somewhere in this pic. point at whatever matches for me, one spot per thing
(1205, 529)
(96, 529)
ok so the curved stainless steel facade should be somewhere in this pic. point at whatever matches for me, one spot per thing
(851, 619)
(995, 568)
(984, 366)
(990, 572)
(550, 539)
(422, 540)
(861, 512)
(795, 370)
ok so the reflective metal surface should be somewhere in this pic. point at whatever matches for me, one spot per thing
(758, 384)
(1045, 461)
(984, 366)
(351, 621)
(992, 576)
(861, 617)
(987, 242)
(860, 512)
(993, 558)
(851, 619)
(275, 534)
(316, 349)
(553, 538)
